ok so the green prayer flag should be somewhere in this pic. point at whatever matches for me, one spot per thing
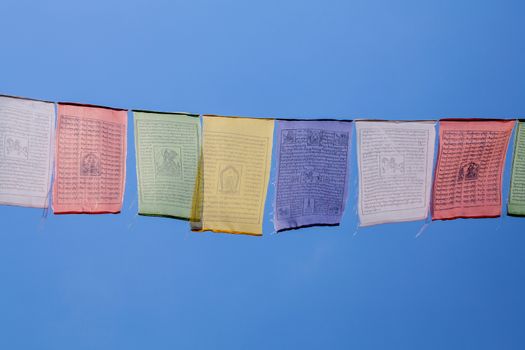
(167, 146)
(517, 183)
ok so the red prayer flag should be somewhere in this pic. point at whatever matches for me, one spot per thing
(90, 166)
(471, 158)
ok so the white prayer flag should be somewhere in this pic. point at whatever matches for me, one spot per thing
(26, 151)
(395, 170)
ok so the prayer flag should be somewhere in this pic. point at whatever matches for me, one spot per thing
(395, 170)
(517, 184)
(90, 164)
(26, 151)
(471, 157)
(236, 167)
(167, 149)
(312, 173)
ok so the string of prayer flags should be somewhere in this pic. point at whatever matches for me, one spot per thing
(517, 184)
(219, 182)
(469, 169)
(395, 170)
(26, 151)
(90, 166)
(312, 173)
(236, 169)
(167, 151)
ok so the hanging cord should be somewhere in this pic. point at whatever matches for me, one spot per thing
(425, 225)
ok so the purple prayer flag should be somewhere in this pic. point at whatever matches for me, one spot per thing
(312, 172)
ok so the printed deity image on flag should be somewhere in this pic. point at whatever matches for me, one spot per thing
(467, 181)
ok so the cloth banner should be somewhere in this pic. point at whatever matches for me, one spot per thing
(167, 147)
(90, 167)
(395, 170)
(517, 183)
(26, 151)
(469, 170)
(236, 166)
(312, 173)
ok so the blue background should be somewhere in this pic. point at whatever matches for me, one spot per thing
(129, 282)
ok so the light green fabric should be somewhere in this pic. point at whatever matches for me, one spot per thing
(167, 146)
(517, 184)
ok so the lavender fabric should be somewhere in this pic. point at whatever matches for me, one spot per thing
(312, 173)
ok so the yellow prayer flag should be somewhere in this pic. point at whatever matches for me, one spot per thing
(236, 169)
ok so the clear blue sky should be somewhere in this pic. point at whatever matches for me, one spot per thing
(128, 282)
